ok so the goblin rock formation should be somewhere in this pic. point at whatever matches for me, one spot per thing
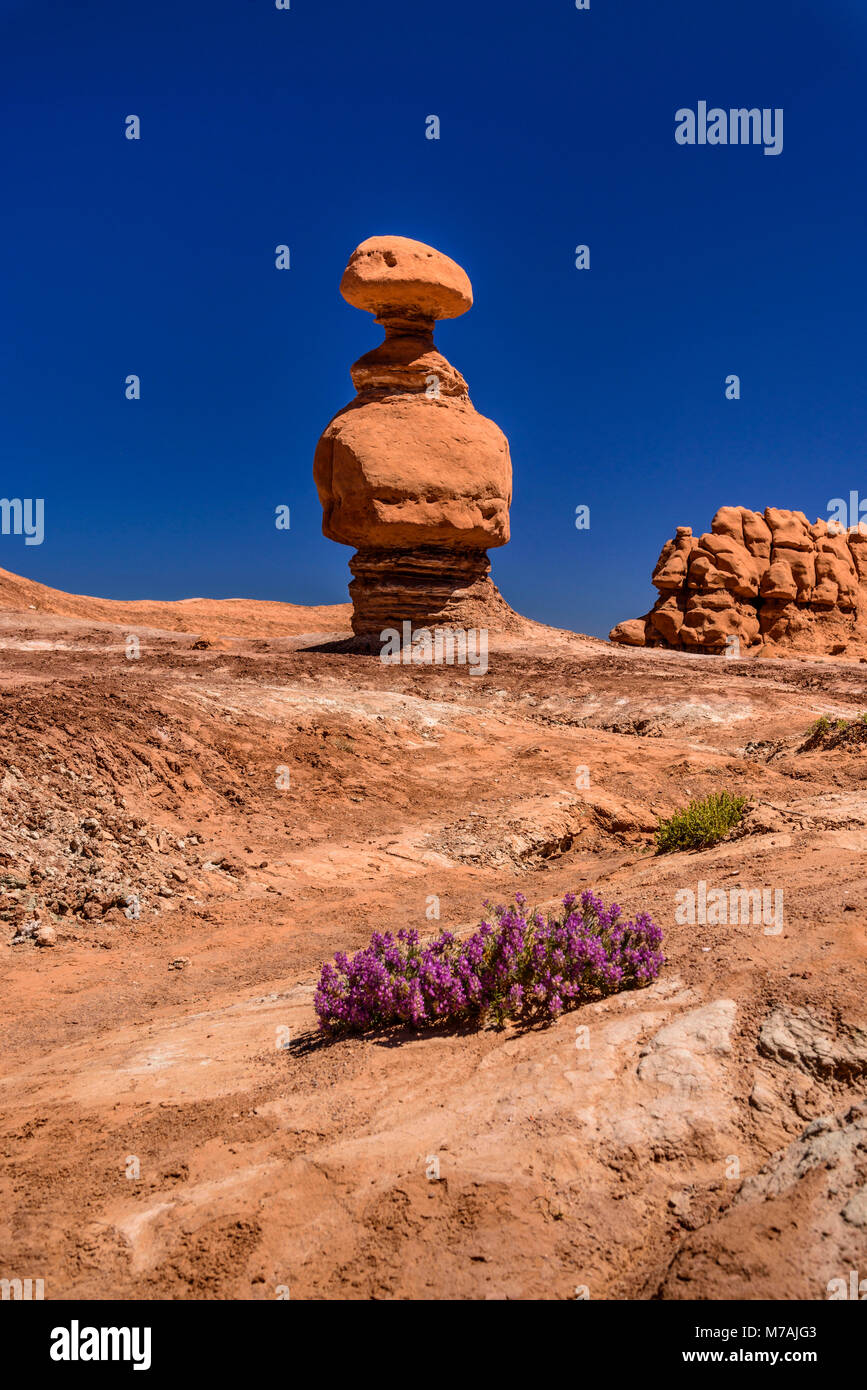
(774, 581)
(409, 473)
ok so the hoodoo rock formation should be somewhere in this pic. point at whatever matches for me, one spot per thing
(409, 473)
(774, 581)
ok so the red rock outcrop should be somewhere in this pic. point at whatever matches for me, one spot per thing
(774, 581)
(409, 473)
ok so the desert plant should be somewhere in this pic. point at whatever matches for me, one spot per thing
(819, 726)
(848, 733)
(700, 824)
(521, 964)
(839, 733)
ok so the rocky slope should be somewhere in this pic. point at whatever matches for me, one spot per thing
(170, 1124)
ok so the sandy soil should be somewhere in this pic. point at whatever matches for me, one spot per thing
(172, 1127)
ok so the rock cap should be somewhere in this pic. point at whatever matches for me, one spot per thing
(391, 276)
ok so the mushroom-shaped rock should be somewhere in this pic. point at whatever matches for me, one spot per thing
(409, 472)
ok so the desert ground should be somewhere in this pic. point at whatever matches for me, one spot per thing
(173, 1127)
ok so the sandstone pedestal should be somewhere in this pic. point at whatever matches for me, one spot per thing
(428, 586)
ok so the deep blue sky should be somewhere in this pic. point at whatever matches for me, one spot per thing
(307, 127)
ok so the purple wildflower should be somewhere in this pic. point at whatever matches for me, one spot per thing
(520, 965)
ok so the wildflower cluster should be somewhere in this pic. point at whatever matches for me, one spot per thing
(520, 965)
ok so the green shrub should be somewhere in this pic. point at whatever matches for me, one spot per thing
(831, 736)
(700, 824)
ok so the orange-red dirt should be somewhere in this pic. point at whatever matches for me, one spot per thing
(709, 1141)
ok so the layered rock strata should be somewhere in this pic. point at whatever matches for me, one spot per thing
(409, 473)
(774, 581)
